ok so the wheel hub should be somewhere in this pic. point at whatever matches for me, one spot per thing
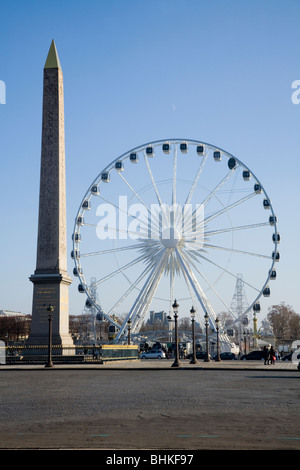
(170, 237)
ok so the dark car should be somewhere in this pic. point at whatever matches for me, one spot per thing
(253, 356)
(199, 355)
(227, 356)
(287, 357)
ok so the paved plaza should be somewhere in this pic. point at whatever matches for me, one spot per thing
(149, 405)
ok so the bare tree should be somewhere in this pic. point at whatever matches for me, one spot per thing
(284, 321)
(14, 328)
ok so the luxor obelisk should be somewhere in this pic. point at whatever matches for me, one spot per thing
(50, 279)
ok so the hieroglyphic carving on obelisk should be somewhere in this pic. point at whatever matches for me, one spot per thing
(50, 279)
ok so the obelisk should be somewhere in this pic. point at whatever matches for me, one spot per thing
(50, 279)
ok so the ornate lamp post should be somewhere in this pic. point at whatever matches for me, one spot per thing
(206, 333)
(255, 330)
(194, 359)
(50, 309)
(176, 362)
(129, 330)
(218, 342)
(169, 318)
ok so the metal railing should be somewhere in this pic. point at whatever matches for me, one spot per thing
(88, 354)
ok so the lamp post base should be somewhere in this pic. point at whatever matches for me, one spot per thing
(193, 361)
(48, 366)
(176, 363)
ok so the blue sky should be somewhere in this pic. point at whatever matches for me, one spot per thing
(139, 71)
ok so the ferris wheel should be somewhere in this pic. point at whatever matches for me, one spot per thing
(174, 218)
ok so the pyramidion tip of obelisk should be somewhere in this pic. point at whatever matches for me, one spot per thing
(52, 61)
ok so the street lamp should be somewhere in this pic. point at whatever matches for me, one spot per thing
(206, 332)
(169, 318)
(129, 330)
(176, 362)
(245, 342)
(50, 309)
(218, 358)
(194, 359)
(254, 330)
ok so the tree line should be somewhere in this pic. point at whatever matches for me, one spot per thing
(283, 319)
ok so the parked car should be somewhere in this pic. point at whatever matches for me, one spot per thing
(199, 355)
(287, 357)
(227, 356)
(253, 356)
(153, 354)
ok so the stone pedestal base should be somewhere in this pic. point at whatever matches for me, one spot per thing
(50, 289)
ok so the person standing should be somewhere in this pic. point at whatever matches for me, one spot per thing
(266, 354)
(272, 355)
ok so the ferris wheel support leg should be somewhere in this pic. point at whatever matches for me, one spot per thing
(197, 289)
(139, 306)
(148, 295)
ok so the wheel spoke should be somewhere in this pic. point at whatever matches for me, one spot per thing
(214, 191)
(195, 285)
(145, 296)
(139, 198)
(210, 285)
(111, 250)
(217, 188)
(161, 205)
(131, 288)
(224, 270)
(232, 250)
(194, 184)
(227, 208)
(201, 296)
(174, 176)
(233, 229)
(117, 271)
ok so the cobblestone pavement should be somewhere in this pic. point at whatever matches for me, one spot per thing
(165, 364)
(150, 405)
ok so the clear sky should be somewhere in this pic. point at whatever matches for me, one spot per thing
(136, 71)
